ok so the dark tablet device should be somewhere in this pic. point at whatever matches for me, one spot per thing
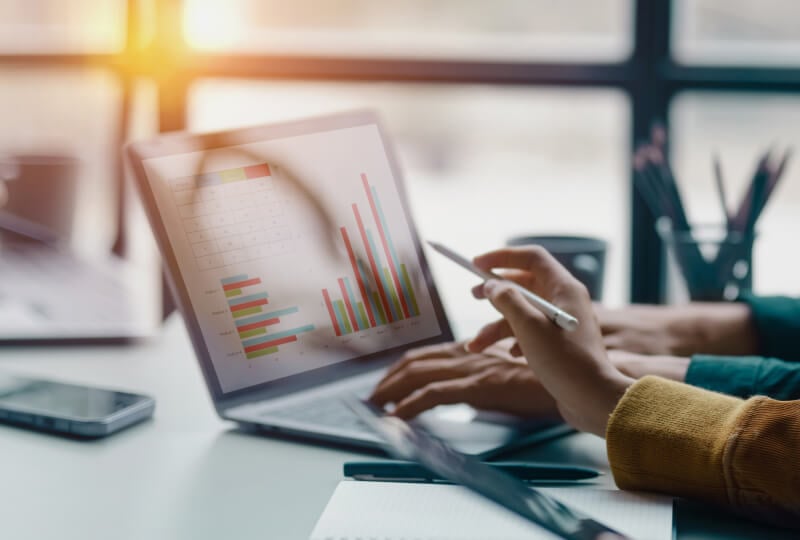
(407, 441)
(68, 409)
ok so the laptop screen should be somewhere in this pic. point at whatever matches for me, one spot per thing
(294, 247)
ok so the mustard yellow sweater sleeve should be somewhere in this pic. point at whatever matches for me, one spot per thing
(682, 440)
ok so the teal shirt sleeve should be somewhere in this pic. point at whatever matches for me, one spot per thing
(777, 323)
(746, 376)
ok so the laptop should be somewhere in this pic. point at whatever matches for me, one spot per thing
(294, 260)
(49, 295)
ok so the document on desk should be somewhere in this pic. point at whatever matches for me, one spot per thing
(398, 510)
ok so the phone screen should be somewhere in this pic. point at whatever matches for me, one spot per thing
(59, 399)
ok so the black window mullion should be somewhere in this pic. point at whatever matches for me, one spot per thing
(650, 96)
(650, 77)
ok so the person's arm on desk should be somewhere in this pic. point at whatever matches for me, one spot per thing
(661, 435)
(723, 339)
(740, 376)
(755, 325)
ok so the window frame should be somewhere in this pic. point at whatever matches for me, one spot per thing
(650, 78)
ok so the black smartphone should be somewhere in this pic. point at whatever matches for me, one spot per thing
(69, 409)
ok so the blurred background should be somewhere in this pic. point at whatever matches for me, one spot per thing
(510, 117)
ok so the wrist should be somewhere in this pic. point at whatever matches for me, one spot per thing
(598, 406)
(637, 366)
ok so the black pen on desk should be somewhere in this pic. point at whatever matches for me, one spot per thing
(406, 471)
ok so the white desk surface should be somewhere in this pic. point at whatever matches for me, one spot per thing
(187, 474)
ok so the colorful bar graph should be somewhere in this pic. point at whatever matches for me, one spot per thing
(247, 305)
(392, 292)
(244, 312)
(251, 321)
(407, 287)
(259, 324)
(383, 232)
(357, 271)
(362, 315)
(234, 279)
(277, 335)
(248, 298)
(372, 262)
(342, 317)
(240, 284)
(383, 291)
(244, 334)
(362, 324)
(262, 352)
(271, 343)
(331, 313)
(348, 303)
(268, 315)
(393, 314)
(381, 314)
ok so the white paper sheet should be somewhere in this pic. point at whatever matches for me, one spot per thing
(407, 511)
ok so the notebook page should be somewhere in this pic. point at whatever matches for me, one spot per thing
(395, 511)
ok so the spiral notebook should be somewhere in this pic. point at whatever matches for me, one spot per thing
(406, 511)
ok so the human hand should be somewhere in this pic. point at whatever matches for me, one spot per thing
(697, 328)
(447, 373)
(573, 367)
(637, 366)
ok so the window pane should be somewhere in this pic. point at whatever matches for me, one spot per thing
(737, 31)
(80, 119)
(741, 127)
(587, 30)
(482, 163)
(38, 26)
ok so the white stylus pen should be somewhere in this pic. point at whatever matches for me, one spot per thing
(554, 313)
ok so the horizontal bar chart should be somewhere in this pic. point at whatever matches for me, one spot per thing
(277, 335)
(252, 322)
(383, 292)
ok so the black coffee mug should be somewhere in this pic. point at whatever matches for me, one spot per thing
(583, 256)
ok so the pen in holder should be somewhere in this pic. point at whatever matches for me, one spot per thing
(714, 263)
(709, 263)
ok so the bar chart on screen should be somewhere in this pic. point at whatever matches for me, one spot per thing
(256, 322)
(380, 291)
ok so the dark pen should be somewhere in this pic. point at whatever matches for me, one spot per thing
(406, 471)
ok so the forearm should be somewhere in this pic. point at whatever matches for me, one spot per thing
(673, 438)
(725, 328)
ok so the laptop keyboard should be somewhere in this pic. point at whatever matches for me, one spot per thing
(325, 411)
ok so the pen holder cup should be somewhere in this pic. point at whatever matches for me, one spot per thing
(707, 263)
